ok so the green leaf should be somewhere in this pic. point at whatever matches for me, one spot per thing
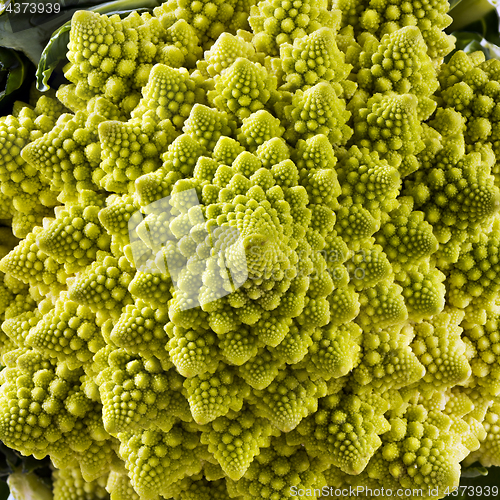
(471, 42)
(478, 23)
(116, 5)
(56, 49)
(468, 12)
(10, 455)
(52, 55)
(13, 71)
(474, 471)
(30, 464)
(4, 490)
(453, 4)
(28, 487)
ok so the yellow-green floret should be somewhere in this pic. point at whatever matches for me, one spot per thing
(251, 251)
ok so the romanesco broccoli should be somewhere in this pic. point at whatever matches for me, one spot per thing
(253, 253)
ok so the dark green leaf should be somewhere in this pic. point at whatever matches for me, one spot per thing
(13, 71)
(122, 5)
(471, 42)
(4, 490)
(52, 55)
(453, 3)
(31, 463)
(470, 11)
(475, 471)
(487, 26)
(10, 454)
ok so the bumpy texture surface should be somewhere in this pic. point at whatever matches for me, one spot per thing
(254, 252)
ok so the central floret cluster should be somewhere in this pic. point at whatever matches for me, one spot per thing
(255, 251)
